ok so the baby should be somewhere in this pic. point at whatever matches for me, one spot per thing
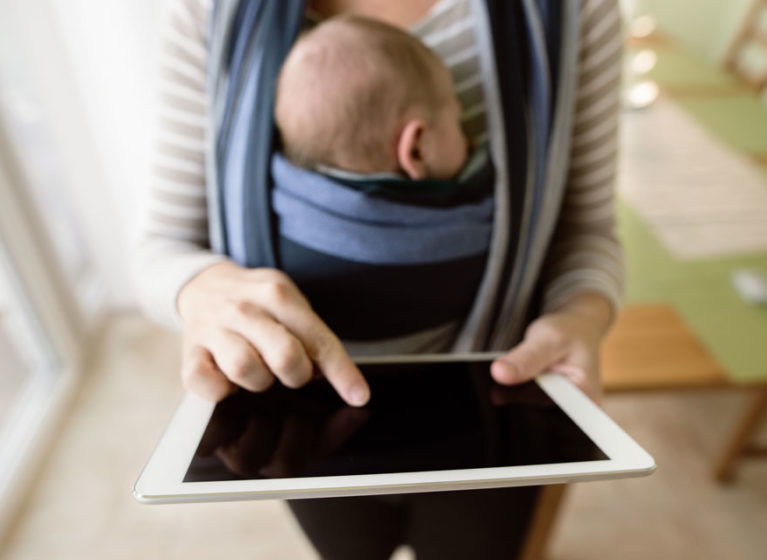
(359, 96)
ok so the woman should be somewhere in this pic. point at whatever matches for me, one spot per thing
(252, 327)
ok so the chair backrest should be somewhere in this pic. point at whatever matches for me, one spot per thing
(747, 57)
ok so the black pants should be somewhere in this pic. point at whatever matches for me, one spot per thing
(486, 524)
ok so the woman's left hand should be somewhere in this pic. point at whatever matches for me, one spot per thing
(566, 341)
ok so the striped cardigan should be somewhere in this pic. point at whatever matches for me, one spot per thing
(583, 254)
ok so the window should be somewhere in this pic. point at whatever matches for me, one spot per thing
(44, 265)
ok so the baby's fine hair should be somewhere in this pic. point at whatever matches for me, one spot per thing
(345, 87)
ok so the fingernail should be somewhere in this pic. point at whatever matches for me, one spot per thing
(359, 395)
(504, 369)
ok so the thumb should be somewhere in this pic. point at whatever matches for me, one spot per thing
(526, 360)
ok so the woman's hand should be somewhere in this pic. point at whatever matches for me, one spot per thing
(248, 327)
(566, 341)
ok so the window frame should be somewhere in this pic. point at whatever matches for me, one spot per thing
(50, 326)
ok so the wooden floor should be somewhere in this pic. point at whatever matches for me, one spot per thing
(82, 506)
(678, 512)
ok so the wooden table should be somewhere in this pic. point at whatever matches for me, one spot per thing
(650, 348)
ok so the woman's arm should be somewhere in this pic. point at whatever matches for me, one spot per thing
(242, 328)
(173, 238)
(583, 272)
(585, 255)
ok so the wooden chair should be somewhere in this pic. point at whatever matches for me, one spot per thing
(747, 56)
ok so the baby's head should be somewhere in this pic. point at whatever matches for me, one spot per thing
(363, 96)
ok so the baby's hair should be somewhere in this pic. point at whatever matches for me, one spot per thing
(345, 88)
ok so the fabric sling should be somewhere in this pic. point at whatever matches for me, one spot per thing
(364, 249)
(529, 59)
(250, 39)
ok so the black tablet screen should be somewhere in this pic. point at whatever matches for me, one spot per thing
(421, 417)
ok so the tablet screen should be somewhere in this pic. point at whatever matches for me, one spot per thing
(421, 417)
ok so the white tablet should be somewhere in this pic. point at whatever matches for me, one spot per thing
(433, 423)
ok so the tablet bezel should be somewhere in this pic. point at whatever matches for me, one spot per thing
(161, 481)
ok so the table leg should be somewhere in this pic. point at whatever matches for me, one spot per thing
(740, 443)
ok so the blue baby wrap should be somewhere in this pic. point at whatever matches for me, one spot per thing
(318, 212)
(362, 248)
(530, 49)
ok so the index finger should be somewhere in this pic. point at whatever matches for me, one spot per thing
(326, 351)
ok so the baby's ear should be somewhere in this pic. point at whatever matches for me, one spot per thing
(410, 149)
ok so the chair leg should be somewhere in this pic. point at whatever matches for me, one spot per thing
(739, 444)
(544, 517)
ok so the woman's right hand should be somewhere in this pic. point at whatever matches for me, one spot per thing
(247, 327)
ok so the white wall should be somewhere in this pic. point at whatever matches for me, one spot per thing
(111, 46)
(95, 65)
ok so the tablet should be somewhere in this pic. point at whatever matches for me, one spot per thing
(433, 423)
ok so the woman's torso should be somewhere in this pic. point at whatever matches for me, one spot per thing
(173, 244)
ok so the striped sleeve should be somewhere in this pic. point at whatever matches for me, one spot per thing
(172, 245)
(585, 254)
